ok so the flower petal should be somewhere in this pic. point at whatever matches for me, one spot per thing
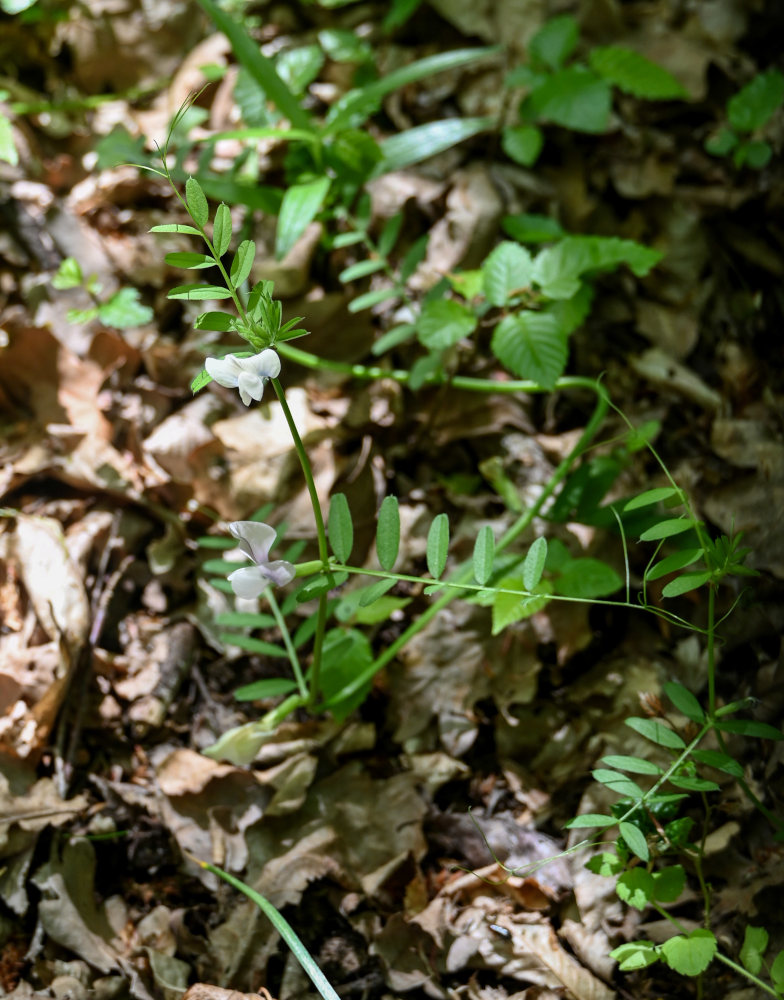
(255, 539)
(266, 364)
(279, 572)
(249, 582)
(225, 371)
(251, 386)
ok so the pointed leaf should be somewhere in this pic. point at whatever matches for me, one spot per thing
(423, 141)
(189, 260)
(590, 820)
(438, 545)
(375, 591)
(650, 497)
(299, 208)
(667, 529)
(657, 732)
(618, 783)
(506, 270)
(635, 840)
(533, 564)
(635, 765)
(750, 727)
(197, 293)
(197, 202)
(685, 583)
(269, 687)
(634, 74)
(219, 321)
(340, 527)
(484, 552)
(674, 562)
(721, 761)
(444, 322)
(684, 701)
(221, 230)
(388, 533)
(202, 379)
(531, 345)
(176, 227)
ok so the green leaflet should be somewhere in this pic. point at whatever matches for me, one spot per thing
(388, 533)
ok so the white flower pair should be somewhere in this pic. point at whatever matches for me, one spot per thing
(255, 539)
(246, 374)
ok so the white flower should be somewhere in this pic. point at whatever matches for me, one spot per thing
(255, 541)
(246, 374)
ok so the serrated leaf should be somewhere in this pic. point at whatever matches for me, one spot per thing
(667, 529)
(634, 74)
(684, 701)
(685, 583)
(197, 202)
(175, 227)
(635, 765)
(618, 783)
(438, 545)
(690, 954)
(374, 592)
(191, 261)
(635, 840)
(270, 687)
(587, 578)
(553, 43)
(533, 564)
(301, 203)
(202, 379)
(199, 293)
(753, 105)
(523, 144)
(243, 262)
(443, 322)
(590, 820)
(574, 97)
(340, 527)
(650, 497)
(530, 345)
(635, 887)
(674, 562)
(635, 955)
(558, 269)
(505, 271)
(755, 942)
(656, 731)
(750, 727)
(484, 553)
(221, 230)
(388, 533)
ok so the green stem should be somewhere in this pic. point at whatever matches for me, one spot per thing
(286, 636)
(711, 651)
(514, 531)
(321, 532)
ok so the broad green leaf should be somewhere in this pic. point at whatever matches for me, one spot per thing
(530, 345)
(346, 654)
(375, 591)
(558, 269)
(522, 143)
(552, 44)
(674, 562)
(684, 701)
(777, 972)
(685, 583)
(222, 322)
(197, 202)
(484, 553)
(528, 228)
(301, 203)
(657, 732)
(175, 227)
(69, 275)
(388, 533)
(196, 293)
(533, 564)
(635, 955)
(192, 261)
(221, 229)
(587, 578)
(380, 611)
(690, 954)
(755, 943)
(650, 497)
(590, 820)
(243, 262)
(723, 142)
(270, 687)
(669, 883)
(634, 74)
(667, 529)
(510, 608)
(750, 727)
(340, 527)
(635, 765)
(202, 379)
(575, 98)
(353, 155)
(438, 545)
(443, 322)
(570, 314)
(361, 269)
(635, 840)
(636, 887)
(752, 106)
(344, 46)
(423, 141)
(618, 783)
(299, 67)
(124, 311)
(756, 154)
(721, 761)
(506, 271)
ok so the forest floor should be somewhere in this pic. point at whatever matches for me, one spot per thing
(471, 750)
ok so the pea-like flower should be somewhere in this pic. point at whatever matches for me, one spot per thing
(246, 374)
(255, 541)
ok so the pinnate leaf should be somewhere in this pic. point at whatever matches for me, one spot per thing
(685, 583)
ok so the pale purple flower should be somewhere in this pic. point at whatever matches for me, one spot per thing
(246, 374)
(255, 539)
